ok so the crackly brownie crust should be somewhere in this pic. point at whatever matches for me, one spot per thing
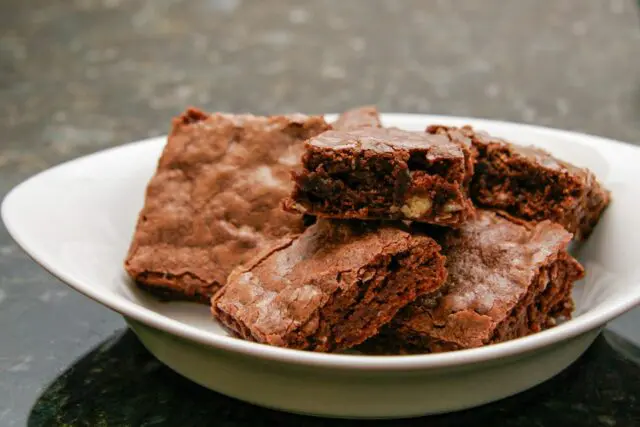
(215, 199)
(504, 281)
(360, 117)
(383, 174)
(330, 288)
(459, 137)
(529, 184)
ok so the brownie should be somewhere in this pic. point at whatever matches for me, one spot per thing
(329, 288)
(457, 136)
(505, 281)
(360, 117)
(216, 198)
(373, 173)
(529, 184)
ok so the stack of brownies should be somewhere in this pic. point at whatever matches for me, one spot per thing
(324, 237)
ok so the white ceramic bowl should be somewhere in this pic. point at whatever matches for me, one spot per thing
(76, 220)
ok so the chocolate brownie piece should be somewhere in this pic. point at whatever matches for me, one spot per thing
(383, 174)
(504, 281)
(215, 199)
(529, 184)
(457, 136)
(330, 288)
(360, 117)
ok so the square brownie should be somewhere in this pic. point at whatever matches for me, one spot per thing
(373, 173)
(529, 184)
(360, 117)
(505, 281)
(215, 199)
(329, 288)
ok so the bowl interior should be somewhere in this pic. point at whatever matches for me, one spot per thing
(77, 220)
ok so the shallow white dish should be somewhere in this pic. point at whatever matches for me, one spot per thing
(77, 219)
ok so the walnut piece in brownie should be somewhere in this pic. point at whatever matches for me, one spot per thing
(329, 288)
(383, 174)
(360, 117)
(504, 281)
(529, 184)
(215, 199)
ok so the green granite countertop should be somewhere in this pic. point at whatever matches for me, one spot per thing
(77, 76)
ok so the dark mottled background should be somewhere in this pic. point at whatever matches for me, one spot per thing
(77, 76)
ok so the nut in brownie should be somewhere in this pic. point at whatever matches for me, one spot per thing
(373, 173)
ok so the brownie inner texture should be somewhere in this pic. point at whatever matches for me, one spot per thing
(529, 184)
(339, 180)
(515, 184)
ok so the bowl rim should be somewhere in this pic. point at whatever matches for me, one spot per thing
(580, 325)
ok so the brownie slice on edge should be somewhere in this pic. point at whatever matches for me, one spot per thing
(359, 117)
(215, 199)
(504, 281)
(529, 184)
(373, 173)
(330, 288)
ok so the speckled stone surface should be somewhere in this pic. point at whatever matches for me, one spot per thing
(77, 76)
(121, 384)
